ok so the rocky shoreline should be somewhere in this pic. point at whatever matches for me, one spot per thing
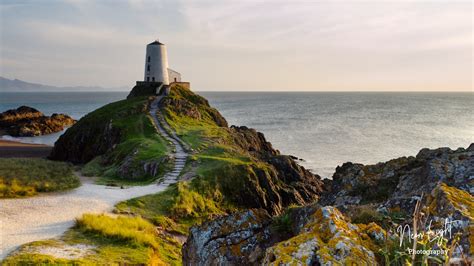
(28, 122)
(334, 229)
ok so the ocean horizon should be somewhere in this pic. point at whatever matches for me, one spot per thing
(325, 129)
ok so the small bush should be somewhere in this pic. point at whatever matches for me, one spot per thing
(283, 223)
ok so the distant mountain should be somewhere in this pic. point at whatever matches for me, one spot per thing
(16, 85)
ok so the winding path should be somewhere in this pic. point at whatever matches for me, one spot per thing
(179, 153)
(50, 215)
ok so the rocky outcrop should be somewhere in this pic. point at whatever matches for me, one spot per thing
(27, 122)
(188, 104)
(327, 238)
(317, 236)
(282, 183)
(237, 239)
(85, 141)
(443, 179)
(97, 133)
(273, 181)
(401, 178)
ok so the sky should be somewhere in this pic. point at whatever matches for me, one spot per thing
(292, 45)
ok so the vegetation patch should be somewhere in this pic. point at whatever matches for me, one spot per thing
(21, 177)
(120, 240)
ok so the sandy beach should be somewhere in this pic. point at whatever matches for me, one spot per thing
(17, 149)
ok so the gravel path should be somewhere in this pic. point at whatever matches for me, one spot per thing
(50, 215)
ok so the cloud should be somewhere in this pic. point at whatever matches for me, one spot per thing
(245, 44)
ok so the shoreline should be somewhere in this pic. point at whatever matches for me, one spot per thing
(15, 149)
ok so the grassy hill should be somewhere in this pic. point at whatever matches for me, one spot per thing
(230, 168)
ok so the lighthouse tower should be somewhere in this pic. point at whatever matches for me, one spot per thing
(156, 63)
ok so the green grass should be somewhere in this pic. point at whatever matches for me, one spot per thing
(134, 230)
(121, 240)
(176, 209)
(139, 142)
(20, 177)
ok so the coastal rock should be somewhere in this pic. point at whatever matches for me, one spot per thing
(314, 235)
(252, 141)
(273, 182)
(327, 238)
(443, 179)
(401, 178)
(285, 182)
(236, 239)
(27, 122)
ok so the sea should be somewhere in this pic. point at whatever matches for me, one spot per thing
(324, 129)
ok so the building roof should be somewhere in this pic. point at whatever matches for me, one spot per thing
(156, 42)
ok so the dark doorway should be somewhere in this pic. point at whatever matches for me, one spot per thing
(175, 79)
(148, 79)
(153, 79)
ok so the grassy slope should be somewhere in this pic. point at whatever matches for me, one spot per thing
(219, 164)
(20, 177)
(137, 135)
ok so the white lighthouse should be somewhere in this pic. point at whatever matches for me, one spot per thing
(156, 63)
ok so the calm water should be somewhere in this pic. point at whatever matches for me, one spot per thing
(326, 129)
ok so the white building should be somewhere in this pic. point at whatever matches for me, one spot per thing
(156, 65)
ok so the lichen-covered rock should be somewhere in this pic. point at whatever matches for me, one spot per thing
(26, 122)
(327, 238)
(236, 239)
(449, 204)
(315, 236)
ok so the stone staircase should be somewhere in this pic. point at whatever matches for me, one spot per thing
(179, 153)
